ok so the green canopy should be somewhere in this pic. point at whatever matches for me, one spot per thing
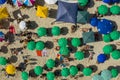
(79, 55)
(56, 31)
(115, 54)
(97, 77)
(87, 71)
(114, 73)
(38, 70)
(24, 75)
(115, 9)
(62, 42)
(64, 51)
(50, 63)
(65, 72)
(82, 2)
(41, 31)
(115, 35)
(73, 70)
(50, 76)
(40, 45)
(106, 38)
(106, 74)
(76, 42)
(103, 9)
(3, 61)
(107, 49)
(31, 45)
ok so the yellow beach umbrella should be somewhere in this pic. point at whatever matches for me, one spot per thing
(3, 13)
(10, 69)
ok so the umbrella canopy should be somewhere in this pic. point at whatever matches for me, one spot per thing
(22, 25)
(41, 31)
(50, 63)
(107, 1)
(2, 1)
(82, 2)
(31, 45)
(115, 54)
(38, 70)
(3, 61)
(10, 69)
(97, 77)
(56, 31)
(103, 9)
(65, 72)
(73, 70)
(62, 42)
(76, 42)
(1, 34)
(64, 51)
(115, 35)
(105, 26)
(101, 58)
(50, 1)
(17, 2)
(106, 38)
(29, 2)
(107, 49)
(87, 71)
(24, 75)
(115, 9)
(94, 21)
(115, 1)
(106, 74)
(114, 72)
(50, 76)
(40, 45)
(79, 55)
(4, 13)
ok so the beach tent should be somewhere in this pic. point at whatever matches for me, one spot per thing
(107, 38)
(22, 25)
(87, 71)
(73, 70)
(29, 2)
(103, 9)
(106, 74)
(107, 49)
(115, 35)
(41, 31)
(83, 17)
(101, 58)
(97, 77)
(50, 63)
(17, 2)
(94, 21)
(76, 42)
(24, 75)
(2, 1)
(42, 11)
(114, 72)
(10, 69)
(40, 45)
(115, 54)
(3, 61)
(62, 42)
(65, 72)
(31, 45)
(4, 13)
(55, 30)
(67, 12)
(38, 70)
(50, 1)
(79, 55)
(115, 9)
(64, 51)
(50, 76)
(82, 2)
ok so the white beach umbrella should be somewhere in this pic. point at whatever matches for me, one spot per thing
(50, 1)
(22, 25)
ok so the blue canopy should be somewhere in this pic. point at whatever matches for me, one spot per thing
(94, 21)
(111, 1)
(115, 1)
(2, 1)
(105, 26)
(67, 12)
(101, 58)
(1, 34)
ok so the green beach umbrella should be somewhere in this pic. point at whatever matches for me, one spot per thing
(56, 31)
(64, 51)
(73, 70)
(41, 31)
(40, 45)
(115, 9)
(62, 42)
(65, 72)
(107, 38)
(97, 77)
(114, 73)
(107, 49)
(50, 63)
(38, 70)
(79, 55)
(31, 45)
(115, 54)
(115, 35)
(102, 9)
(82, 2)
(50, 76)
(87, 71)
(76, 42)
(24, 75)
(3, 61)
(106, 74)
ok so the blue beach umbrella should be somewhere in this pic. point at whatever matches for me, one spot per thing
(101, 58)
(107, 1)
(29, 2)
(115, 1)
(94, 21)
(2, 1)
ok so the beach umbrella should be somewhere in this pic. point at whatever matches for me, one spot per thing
(73, 70)
(115, 9)
(22, 25)
(94, 21)
(24, 75)
(115, 54)
(3, 61)
(107, 49)
(101, 58)
(50, 1)
(115, 1)
(2, 1)
(40, 45)
(79, 55)
(102, 9)
(17, 2)
(97, 77)
(107, 1)
(56, 31)
(106, 74)
(29, 2)
(114, 72)
(50, 76)
(41, 31)
(38, 70)
(105, 26)
(10, 69)
(76, 42)
(115, 35)
(62, 42)
(64, 51)
(106, 38)
(65, 72)
(50, 63)
(87, 71)
(3, 13)
(31, 45)
(82, 2)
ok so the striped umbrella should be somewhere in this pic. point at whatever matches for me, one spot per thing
(17, 2)
(29, 2)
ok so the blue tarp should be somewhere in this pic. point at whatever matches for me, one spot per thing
(101, 58)
(94, 21)
(67, 12)
(2, 1)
